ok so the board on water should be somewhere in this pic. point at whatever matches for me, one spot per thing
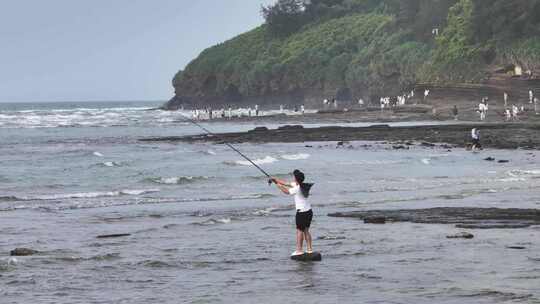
(307, 257)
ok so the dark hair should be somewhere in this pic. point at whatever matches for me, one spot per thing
(304, 187)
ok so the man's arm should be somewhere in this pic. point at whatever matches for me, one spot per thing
(282, 185)
(281, 182)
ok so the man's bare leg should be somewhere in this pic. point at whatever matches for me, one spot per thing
(299, 240)
(307, 236)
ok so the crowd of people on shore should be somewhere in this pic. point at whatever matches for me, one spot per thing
(511, 111)
(229, 113)
(224, 113)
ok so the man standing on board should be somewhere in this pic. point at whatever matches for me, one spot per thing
(304, 214)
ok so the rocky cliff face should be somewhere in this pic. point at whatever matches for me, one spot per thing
(370, 49)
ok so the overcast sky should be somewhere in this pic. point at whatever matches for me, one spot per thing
(78, 50)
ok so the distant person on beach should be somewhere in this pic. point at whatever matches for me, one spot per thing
(335, 103)
(475, 135)
(505, 96)
(482, 111)
(281, 109)
(531, 96)
(256, 110)
(229, 113)
(515, 112)
(360, 102)
(508, 114)
(426, 94)
(455, 112)
(303, 109)
(304, 214)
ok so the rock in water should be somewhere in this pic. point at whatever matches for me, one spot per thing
(258, 129)
(461, 235)
(375, 220)
(516, 247)
(106, 236)
(23, 252)
(308, 257)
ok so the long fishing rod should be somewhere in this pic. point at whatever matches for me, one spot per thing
(230, 146)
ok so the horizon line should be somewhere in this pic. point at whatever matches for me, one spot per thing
(68, 101)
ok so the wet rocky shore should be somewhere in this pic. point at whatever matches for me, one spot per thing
(493, 135)
(462, 217)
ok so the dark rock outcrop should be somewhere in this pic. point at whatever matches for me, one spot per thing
(463, 217)
(461, 235)
(23, 252)
(375, 220)
(500, 136)
(107, 236)
(516, 247)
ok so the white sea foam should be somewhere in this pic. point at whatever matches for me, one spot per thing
(111, 164)
(226, 220)
(99, 117)
(260, 161)
(87, 194)
(426, 161)
(295, 156)
(178, 179)
(512, 179)
(98, 154)
(516, 173)
(138, 191)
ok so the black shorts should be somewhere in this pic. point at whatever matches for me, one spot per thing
(303, 219)
(476, 142)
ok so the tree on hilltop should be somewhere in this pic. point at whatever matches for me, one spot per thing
(284, 17)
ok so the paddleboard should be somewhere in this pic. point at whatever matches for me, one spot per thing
(307, 257)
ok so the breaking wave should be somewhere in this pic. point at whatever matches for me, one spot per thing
(88, 117)
(61, 196)
(177, 180)
(110, 164)
(259, 161)
(48, 203)
(299, 156)
(519, 173)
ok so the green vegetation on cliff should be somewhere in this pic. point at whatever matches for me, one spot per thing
(366, 47)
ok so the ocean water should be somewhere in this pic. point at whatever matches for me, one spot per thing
(206, 227)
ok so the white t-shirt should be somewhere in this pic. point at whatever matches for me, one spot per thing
(474, 134)
(299, 200)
